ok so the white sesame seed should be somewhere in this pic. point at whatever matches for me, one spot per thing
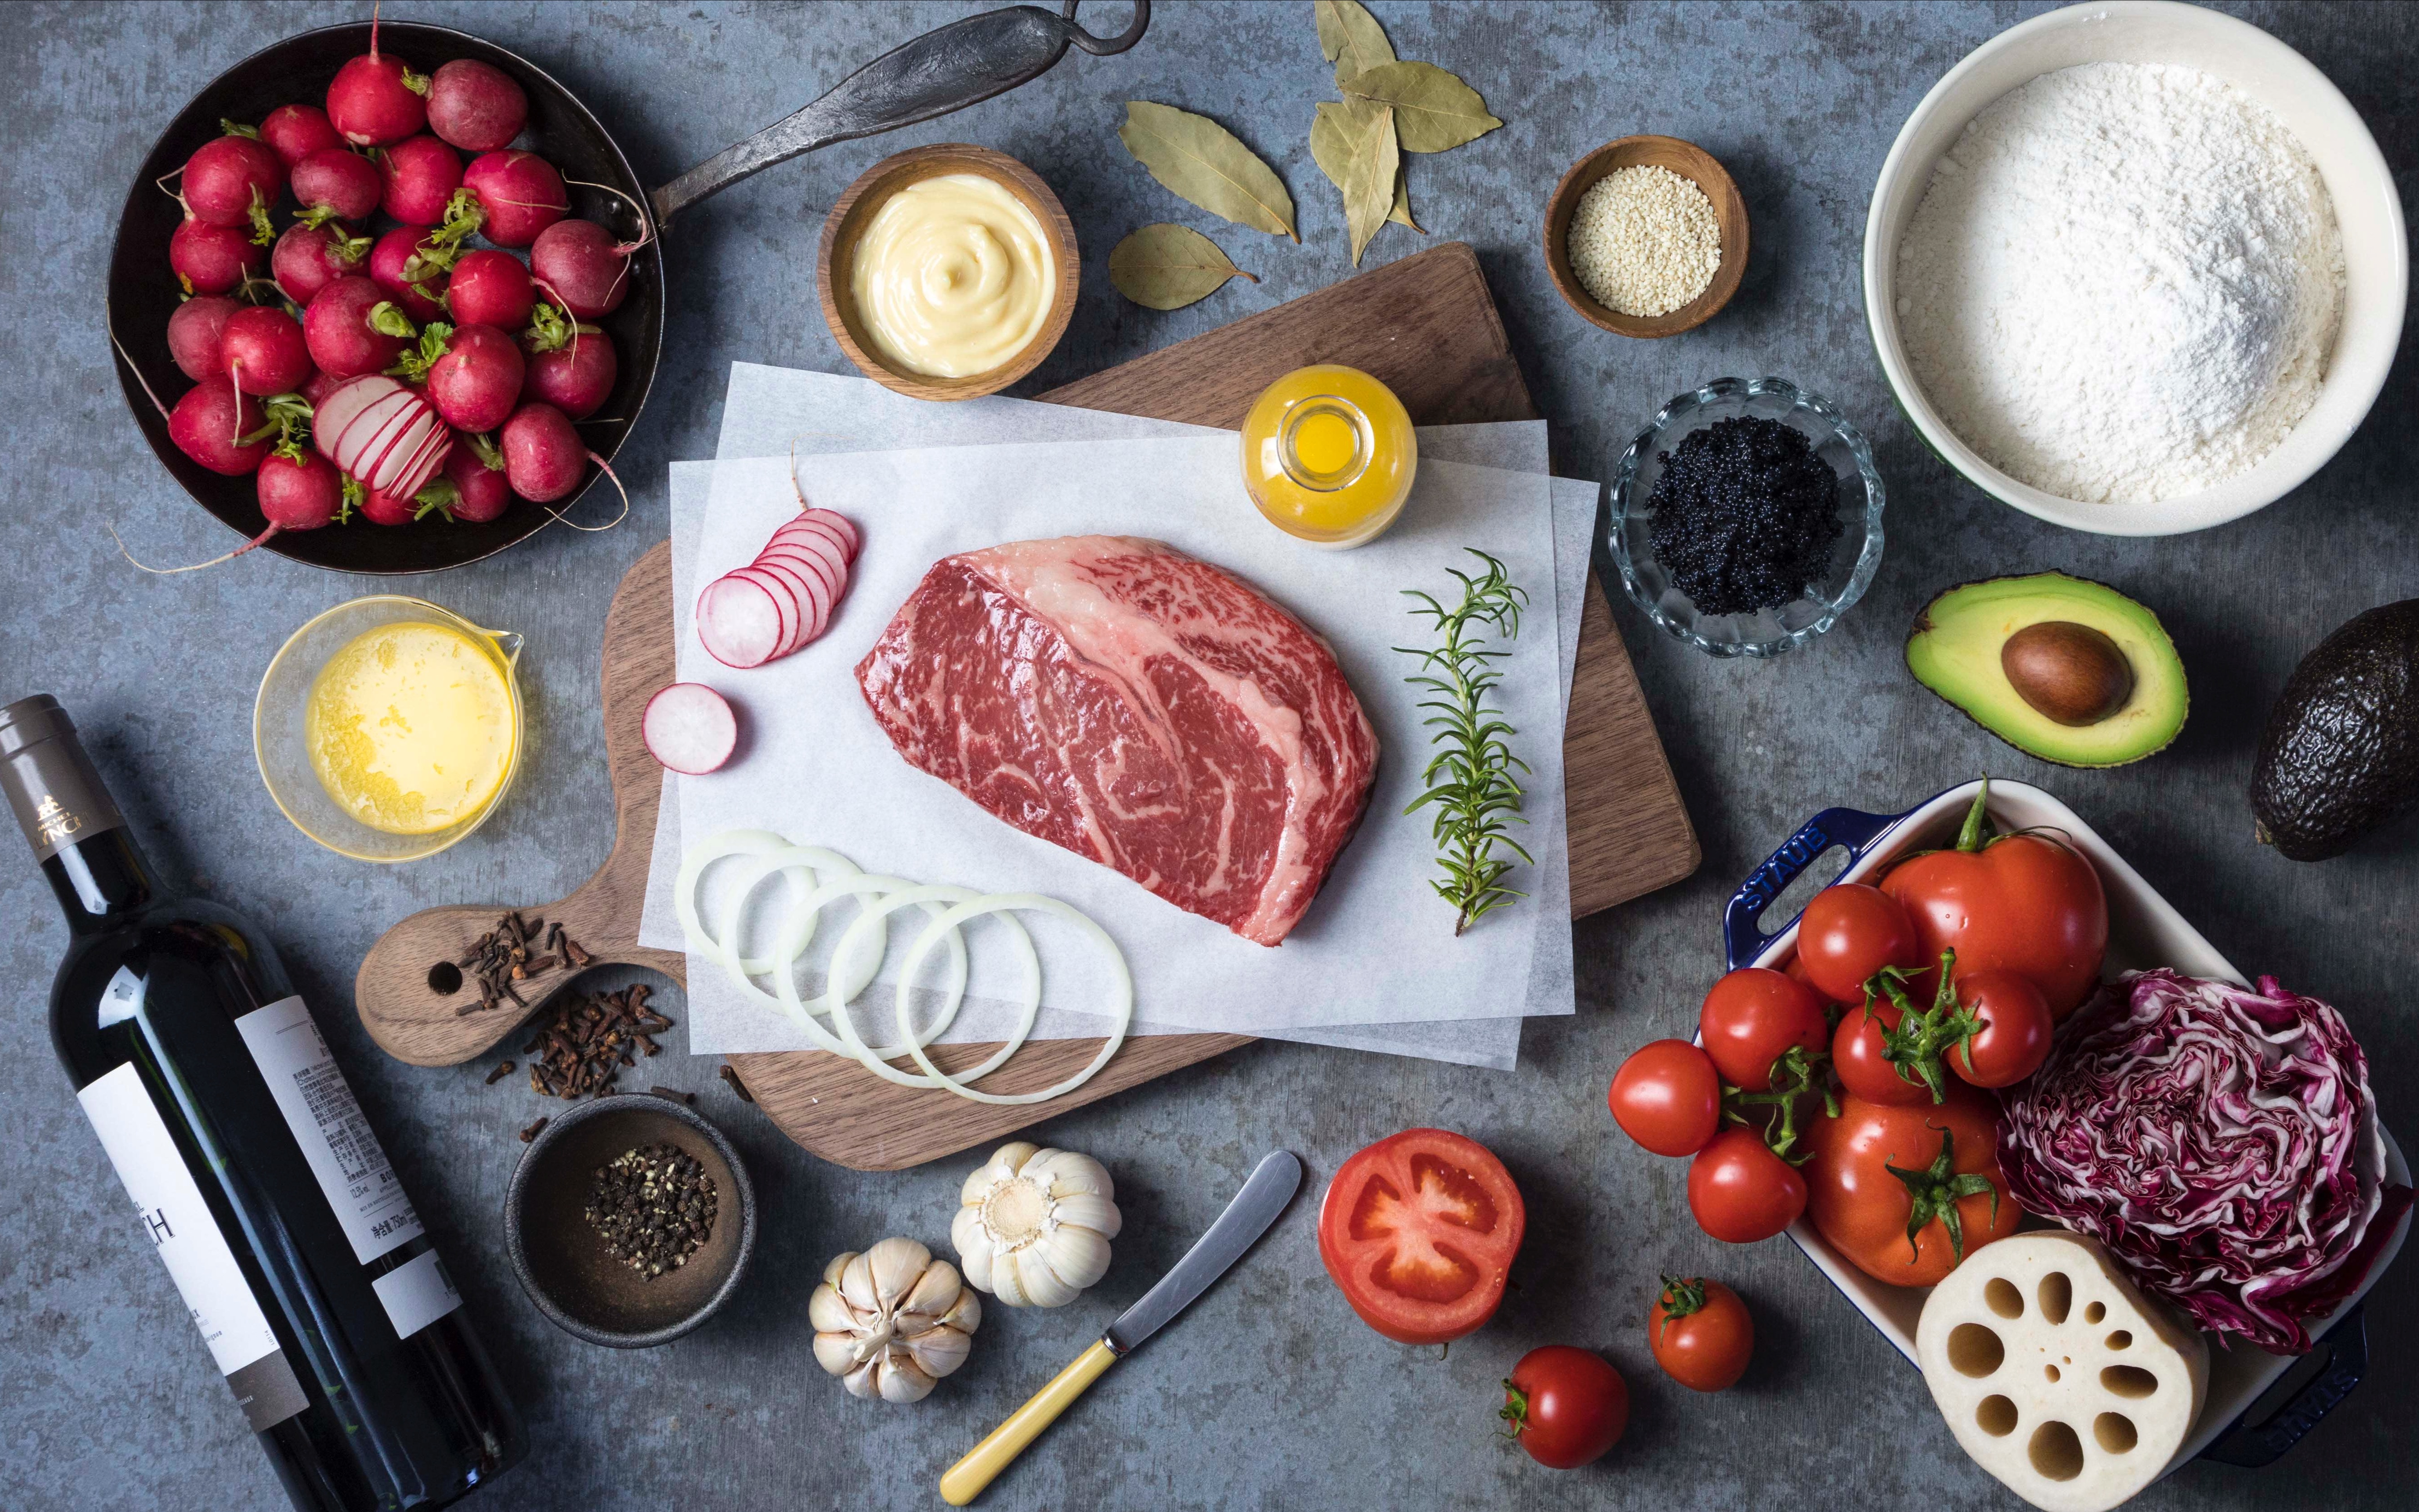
(1644, 242)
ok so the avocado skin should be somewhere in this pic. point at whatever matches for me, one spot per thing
(2341, 752)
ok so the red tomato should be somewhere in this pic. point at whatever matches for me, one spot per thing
(1751, 1017)
(1850, 931)
(1700, 1334)
(1419, 1231)
(1566, 1406)
(1795, 970)
(1668, 1097)
(1857, 1055)
(1874, 1163)
(1741, 1192)
(2014, 1039)
(2025, 904)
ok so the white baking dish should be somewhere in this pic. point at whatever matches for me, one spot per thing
(2144, 930)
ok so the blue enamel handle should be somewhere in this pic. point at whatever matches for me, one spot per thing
(1742, 939)
(2253, 1445)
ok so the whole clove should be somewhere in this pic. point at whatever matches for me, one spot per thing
(534, 1129)
(686, 1099)
(503, 1068)
(736, 1085)
(505, 956)
(580, 1046)
(654, 1206)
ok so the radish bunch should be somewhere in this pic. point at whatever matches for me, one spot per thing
(785, 597)
(445, 379)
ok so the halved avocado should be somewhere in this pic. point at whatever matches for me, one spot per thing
(2101, 685)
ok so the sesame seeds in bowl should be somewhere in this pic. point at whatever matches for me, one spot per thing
(1635, 212)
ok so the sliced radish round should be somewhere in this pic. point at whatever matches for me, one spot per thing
(814, 600)
(689, 728)
(805, 530)
(819, 550)
(840, 523)
(814, 564)
(739, 623)
(793, 613)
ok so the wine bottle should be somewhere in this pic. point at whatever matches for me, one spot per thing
(250, 1169)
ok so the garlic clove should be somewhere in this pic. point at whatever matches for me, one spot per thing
(900, 1380)
(966, 1315)
(1013, 1155)
(836, 1353)
(1007, 1282)
(1039, 1279)
(934, 1293)
(939, 1350)
(973, 1246)
(839, 1264)
(896, 1266)
(1083, 1209)
(828, 1313)
(862, 1380)
(856, 1285)
(1063, 1172)
(1079, 1256)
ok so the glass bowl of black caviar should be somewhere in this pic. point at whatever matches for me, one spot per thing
(1746, 518)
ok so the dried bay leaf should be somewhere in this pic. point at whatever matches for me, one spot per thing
(1199, 161)
(1434, 110)
(1330, 148)
(1350, 37)
(1168, 267)
(1372, 169)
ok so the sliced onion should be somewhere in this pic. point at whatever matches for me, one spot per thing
(1000, 902)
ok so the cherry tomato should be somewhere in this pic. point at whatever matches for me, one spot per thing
(2020, 902)
(1873, 1164)
(1857, 1055)
(1752, 1017)
(1700, 1334)
(1668, 1097)
(2014, 1038)
(1418, 1231)
(1850, 931)
(1566, 1406)
(1741, 1192)
(1795, 970)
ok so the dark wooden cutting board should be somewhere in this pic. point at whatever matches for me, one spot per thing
(1429, 329)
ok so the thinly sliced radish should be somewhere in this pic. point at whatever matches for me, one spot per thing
(814, 604)
(840, 523)
(820, 552)
(793, 613)
(810, 530)
(689, 728)
(738, 622)
(805, 562)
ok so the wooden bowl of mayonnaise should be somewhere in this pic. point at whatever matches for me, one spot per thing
(947, 271)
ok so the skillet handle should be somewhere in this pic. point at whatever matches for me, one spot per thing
(1743, 940)
(945, 69)
(2253, 1445)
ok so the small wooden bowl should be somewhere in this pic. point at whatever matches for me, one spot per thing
(1690, 161)
(562, 1261)
(836, 259)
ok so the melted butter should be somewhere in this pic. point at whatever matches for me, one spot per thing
(1329, 455)
(953, 276)
(410, 727)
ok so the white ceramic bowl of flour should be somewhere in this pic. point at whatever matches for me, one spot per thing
(2367, 210)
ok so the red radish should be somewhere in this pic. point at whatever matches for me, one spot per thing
(798, 577)
(212, 260)
(577, 379)
(581, 268)
(194, 332)
(317, 387)
(544, 457)
(309, 258)
(838, 522)
(296, 131)
(336, 185)
(519, 193)
(421, 173)
(211, 423)
(385, 509)
(476, 384)
(689, 728)
(399, 264)
(490, 288)
(342, 340)
(386, 435)
(262, 349)
(739, 623)
(377, 98)
(475, 106)
(484, 493)
(299, 491)
(232, 181)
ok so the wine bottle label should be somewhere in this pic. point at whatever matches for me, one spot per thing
(417, 1293)
(328, 1124)
(178, 1224)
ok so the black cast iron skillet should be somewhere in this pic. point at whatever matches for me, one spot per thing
(945, 69)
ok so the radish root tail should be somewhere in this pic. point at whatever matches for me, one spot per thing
(617, 520)
(170, 571)
(111, 320)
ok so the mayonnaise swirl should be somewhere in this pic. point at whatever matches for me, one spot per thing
(953, 276)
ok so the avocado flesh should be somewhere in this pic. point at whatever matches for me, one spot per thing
(2341, 752)
(1954, 651)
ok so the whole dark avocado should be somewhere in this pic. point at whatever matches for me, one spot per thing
(2341, 752)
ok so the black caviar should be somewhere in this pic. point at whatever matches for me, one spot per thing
(1745, 516)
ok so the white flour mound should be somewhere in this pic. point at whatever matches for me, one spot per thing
(2123, 282)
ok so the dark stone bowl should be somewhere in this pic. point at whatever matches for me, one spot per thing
(562, 1261)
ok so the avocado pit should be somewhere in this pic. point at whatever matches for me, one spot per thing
(2069, 673)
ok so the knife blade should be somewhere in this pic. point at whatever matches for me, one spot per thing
(1272, 1185)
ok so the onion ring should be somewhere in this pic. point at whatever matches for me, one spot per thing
(1001, 903)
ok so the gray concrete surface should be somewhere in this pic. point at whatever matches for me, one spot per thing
(1269, 1394)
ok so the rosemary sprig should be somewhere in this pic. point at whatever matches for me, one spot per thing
(1471, 790)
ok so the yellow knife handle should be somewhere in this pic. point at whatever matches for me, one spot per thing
(965, 1480)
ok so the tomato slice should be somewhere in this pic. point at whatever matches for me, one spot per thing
(1418, 1232)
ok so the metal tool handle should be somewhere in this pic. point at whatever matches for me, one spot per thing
(948, 69)
(1743, 937)
(2254, 1445)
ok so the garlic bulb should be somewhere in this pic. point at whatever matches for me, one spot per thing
(893, 1320)
(1034, 1225)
